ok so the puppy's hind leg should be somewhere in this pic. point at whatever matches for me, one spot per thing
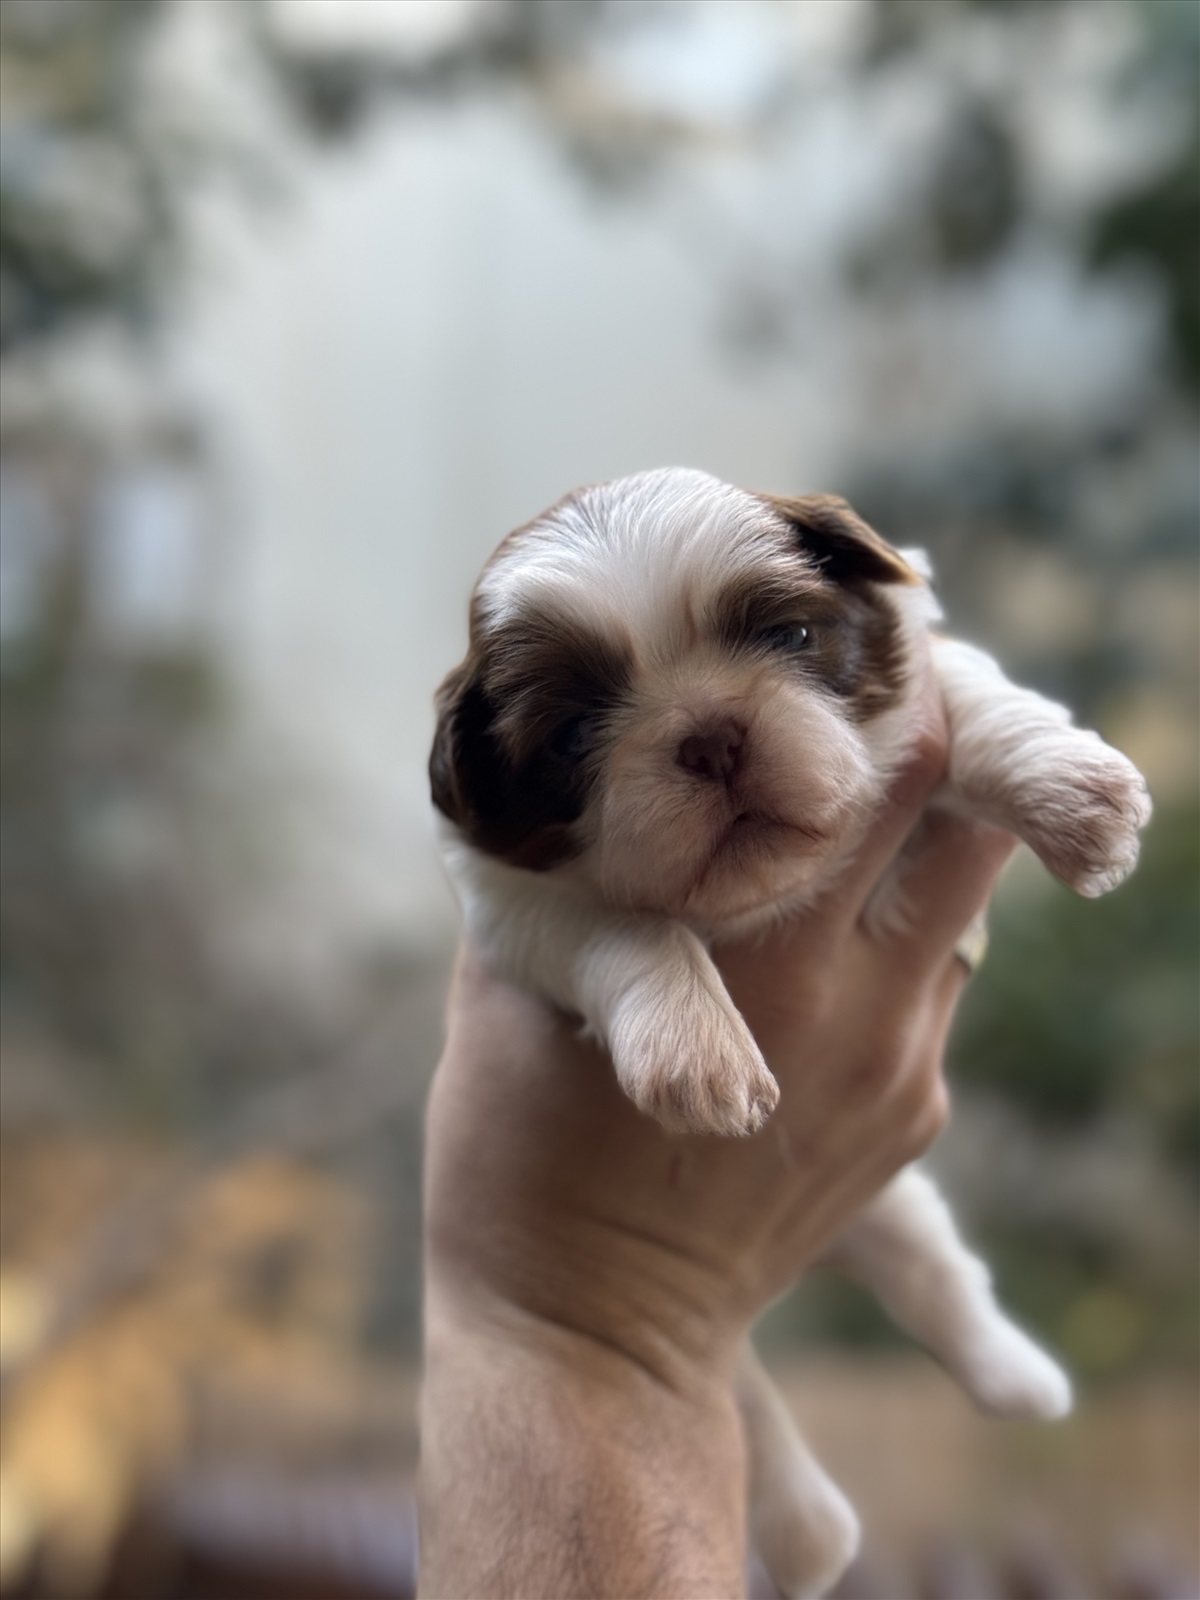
(906, 1249)
(801, 1523)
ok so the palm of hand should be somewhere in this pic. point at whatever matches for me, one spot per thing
(551, 1196)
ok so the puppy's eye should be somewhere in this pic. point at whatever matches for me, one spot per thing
(574, 738)
(790, 636)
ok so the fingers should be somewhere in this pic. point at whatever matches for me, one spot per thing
(947, 882)
(948, 986)
(945, 993)
(906, 800)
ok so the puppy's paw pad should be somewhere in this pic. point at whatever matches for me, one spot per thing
(1009, 1376)
(698, 1072)
(1087, 831)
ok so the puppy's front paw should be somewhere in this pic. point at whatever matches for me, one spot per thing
(1083, 820)
(688, 1060)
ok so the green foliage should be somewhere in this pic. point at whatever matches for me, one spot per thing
(101, 945)
(1084, 1005)
(1102, 1310)
(87, 208)
(1155, 225)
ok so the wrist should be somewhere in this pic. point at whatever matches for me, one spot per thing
(553, 1463)
(592, 1297)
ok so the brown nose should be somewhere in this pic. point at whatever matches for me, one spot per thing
(716, 753)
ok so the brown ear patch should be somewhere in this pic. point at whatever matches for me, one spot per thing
(844, 546)
(452, 779)
(856, 649)
(510, 765)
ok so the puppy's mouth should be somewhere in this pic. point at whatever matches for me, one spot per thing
(753, 839)
(753, 826)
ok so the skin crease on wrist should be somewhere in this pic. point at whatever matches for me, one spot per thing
(589, 1279)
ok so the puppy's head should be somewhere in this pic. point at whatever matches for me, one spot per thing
(678, 691)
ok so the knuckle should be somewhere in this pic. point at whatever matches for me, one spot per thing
(930, 1114)
(873, 1077)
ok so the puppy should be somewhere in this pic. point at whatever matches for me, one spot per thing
(681, 707)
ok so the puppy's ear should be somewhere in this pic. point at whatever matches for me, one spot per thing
(521, 813)
(462, 748)
(838, 539)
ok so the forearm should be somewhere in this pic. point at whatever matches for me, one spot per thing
(554, 1466)
(589, 1281)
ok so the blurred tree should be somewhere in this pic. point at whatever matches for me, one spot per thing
(87, 184)
(1156, 223)
(97, 169)
(1080, 1005)
(1082, 1009)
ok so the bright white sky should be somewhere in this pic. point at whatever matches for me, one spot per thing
(716, 61)
(412, 26)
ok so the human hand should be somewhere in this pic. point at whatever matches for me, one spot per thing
(576, 1248)
(542, 1173)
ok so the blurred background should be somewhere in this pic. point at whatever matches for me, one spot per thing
(303, 305)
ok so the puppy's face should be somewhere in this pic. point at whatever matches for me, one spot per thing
(679, 692)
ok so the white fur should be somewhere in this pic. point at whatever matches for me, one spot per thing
(803, 1527)
(1017, 760)
(905, 1247)
(592, 549)
(594, 938)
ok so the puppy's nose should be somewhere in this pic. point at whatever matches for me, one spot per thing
(716, 753)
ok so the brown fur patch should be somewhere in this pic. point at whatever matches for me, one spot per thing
(842, 544)
(757, 600)
(855, 647)
(545, 669)
(495, 770)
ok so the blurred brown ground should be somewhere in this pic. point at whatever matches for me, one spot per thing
(923, 1467)
(189, 1408)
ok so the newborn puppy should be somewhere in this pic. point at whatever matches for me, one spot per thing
(681, 707)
